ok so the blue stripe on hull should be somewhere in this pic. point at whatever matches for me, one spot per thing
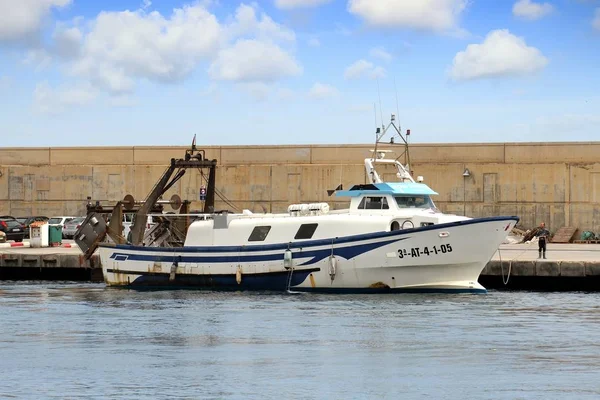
(347, 252)
(268, 281)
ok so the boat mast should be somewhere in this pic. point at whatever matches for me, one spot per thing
(403, 140)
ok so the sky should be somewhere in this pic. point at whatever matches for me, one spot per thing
(141, 72)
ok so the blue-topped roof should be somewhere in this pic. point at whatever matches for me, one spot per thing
(394, 188)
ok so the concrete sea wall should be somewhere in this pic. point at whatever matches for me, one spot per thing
(558, 183)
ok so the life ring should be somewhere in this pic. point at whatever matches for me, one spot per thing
(407, 224)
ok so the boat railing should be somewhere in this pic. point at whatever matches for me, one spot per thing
(402, 172)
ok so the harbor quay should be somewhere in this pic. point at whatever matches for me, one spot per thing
(513, 267)
(556, 183)
(48, 263)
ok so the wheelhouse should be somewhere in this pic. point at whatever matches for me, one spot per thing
(389, 196)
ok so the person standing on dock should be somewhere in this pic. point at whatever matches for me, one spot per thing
(542, 235)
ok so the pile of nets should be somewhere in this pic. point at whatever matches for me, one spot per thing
(588, 235)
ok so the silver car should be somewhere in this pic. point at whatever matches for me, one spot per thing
(71, 227)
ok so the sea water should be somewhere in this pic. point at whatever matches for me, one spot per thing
(86, 341)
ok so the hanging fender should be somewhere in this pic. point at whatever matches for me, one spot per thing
(173, 271)
(288, 261)
(332, 267)
(238, 275)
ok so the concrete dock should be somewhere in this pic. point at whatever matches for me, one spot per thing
(48, 263)
(566, 267)
(514, 266)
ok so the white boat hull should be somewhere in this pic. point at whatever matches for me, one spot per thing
(438, 258)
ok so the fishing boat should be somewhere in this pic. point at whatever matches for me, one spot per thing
(390, 238)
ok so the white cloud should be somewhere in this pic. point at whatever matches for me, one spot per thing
(123, 46)
(49, 100)
(362, 68)
(377, 73)
(529, 10)
(285, 94)
(257, 90)
(123, 101)
(357, 69)
(263, 28)
(291, 4)
(39, 58)
(322, 91)
(67, 42)
(256, 56)
(596, 21)
(500, 54)
(314, 42)
(381, 53)
(251, 60)
(116, 49)
(22, 19)
(434, 15)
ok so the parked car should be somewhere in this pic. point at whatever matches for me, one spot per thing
(71, 227)
(26, 221)
(12, 228)
(54, 221)
(128, 223)
(59, 221)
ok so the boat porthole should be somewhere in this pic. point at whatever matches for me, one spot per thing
(408, 224)
(395, 226)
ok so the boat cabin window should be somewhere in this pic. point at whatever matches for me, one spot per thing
(306, 231)
(259, 233)
(414, 201)
(374, 203)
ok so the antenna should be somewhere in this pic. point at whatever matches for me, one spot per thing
(378, 133)
(375, 111)
(380, 109)
(397, 107)
(376, 129)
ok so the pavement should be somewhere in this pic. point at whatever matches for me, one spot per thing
(67, 247)
(554, 252)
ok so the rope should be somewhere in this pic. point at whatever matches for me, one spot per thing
(510, 263)
(289, 283)
(219, 194)
(502, 268)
